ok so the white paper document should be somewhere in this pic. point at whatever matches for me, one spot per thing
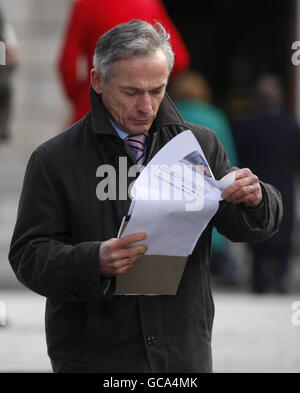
(175, 197)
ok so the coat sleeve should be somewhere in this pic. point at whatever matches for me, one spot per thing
(240, 223)
(41, 253)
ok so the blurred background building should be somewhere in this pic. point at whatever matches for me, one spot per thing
(38, 106)
(229, 42)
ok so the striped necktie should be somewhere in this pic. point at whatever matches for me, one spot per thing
(137, 144)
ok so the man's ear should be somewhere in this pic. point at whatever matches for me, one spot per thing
(96, 81)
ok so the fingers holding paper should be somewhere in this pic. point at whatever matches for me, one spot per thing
(246, 188)
(118, 255)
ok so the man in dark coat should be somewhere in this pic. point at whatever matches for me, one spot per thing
(64, 245)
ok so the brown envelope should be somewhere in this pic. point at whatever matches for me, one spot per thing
(152, 274)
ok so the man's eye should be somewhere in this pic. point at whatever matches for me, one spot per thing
(130, 93)
(156, 92)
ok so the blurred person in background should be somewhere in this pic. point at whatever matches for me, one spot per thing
(89, 19)
(192, 95)
(8, 36)
(269, 143)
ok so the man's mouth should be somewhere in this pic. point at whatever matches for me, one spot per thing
(146, 121)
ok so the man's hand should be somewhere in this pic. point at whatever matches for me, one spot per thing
(116, 256)
(245, 188)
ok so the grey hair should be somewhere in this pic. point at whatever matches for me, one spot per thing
(135, 38)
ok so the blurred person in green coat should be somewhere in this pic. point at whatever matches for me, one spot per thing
(193, 96)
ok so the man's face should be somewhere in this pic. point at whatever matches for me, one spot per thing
(135, 91)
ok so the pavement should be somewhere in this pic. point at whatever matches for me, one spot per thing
(252, 333)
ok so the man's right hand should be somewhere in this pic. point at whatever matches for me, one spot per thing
(116, 256)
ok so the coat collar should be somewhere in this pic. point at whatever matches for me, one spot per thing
(166, 115)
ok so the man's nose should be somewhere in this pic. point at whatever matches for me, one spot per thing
(144, 103)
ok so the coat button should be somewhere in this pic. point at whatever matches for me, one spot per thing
(150, 340)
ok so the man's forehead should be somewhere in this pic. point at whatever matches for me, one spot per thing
(138, 87)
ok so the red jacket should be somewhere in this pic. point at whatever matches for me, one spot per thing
(90, 19)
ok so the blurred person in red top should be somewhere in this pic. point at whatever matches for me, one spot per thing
(89, 19)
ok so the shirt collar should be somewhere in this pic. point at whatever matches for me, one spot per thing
(122, 134)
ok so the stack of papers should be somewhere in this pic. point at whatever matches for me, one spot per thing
(173, 200)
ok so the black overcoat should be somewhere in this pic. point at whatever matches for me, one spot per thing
(55, 252)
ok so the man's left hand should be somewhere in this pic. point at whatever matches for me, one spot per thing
(246, 188)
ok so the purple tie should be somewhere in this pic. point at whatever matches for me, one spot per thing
(137, 144)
